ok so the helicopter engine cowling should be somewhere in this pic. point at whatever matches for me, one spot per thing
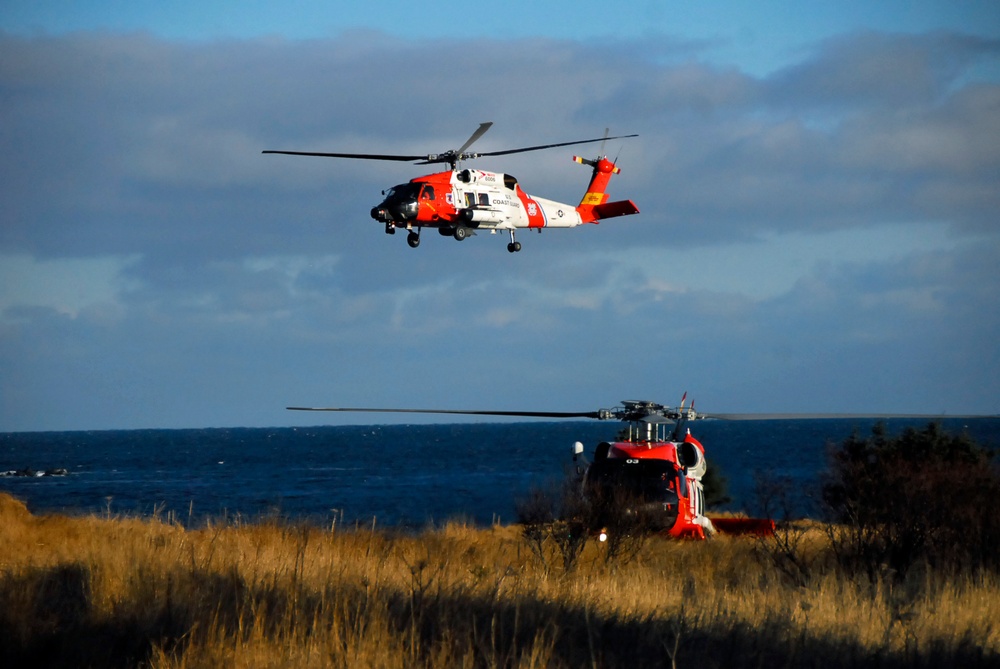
(692, 459)
(482, 215)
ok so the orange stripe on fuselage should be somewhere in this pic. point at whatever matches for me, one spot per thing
(533, 210)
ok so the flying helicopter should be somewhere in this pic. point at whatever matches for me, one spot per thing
(458, 202)
(651, 473)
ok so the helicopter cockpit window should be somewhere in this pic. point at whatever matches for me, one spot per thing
(427, 193)
(649, 480)
(403, 192)
(509, 181)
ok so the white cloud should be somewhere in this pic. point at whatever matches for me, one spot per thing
(66, 285)
(771, 266)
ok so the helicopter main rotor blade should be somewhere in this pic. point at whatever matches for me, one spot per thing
(483, 127)
(551, 146)
(451, 156)
(526, 414)
(822, 416)
(360, 156)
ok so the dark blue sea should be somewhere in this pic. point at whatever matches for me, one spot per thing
(401, 475)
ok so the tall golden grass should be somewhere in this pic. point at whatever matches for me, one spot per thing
(103, 591)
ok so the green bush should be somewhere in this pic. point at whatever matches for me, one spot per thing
(925, 497)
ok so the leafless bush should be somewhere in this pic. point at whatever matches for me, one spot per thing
(786, 547)
(554, 521)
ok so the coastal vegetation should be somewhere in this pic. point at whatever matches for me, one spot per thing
(105, 590)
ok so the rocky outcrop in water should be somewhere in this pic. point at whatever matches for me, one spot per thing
(35, 473)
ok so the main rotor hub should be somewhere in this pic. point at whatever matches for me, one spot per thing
(650, 412)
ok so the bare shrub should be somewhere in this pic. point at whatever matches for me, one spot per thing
(535, 514)
(787, 548)
(619, 515)
(554, 525)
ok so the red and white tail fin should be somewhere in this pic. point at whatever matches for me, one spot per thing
(595, 205)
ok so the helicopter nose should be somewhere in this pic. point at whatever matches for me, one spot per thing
(406, 210)
(396, 210)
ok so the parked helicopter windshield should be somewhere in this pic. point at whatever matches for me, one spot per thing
(647, 480)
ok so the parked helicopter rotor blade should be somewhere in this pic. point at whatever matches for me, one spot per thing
(646, 412)
(526, 414)
(822, 416)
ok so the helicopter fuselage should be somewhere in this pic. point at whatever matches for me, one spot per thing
(461, 201)
(653, 484)
(470, 199)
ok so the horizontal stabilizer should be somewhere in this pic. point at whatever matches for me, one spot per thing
(613, 209)
(760, 527)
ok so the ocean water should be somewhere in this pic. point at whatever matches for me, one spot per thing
(399, 475)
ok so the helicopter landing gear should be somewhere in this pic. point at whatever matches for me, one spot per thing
(514, 246)
(461, 233)
(413, 239)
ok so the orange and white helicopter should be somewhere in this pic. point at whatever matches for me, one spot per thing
(458, 202)
(649, 475)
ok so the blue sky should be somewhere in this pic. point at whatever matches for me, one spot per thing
(755, 37)
(819, 188)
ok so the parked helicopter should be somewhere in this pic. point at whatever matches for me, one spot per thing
(649, 475)
(459, 202)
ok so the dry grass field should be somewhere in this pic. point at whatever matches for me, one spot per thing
(97, 591)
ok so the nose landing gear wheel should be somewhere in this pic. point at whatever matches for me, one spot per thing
(413, 239)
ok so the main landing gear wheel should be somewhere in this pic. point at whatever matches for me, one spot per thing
(461, 233)
(413, 239)
(514, 245)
